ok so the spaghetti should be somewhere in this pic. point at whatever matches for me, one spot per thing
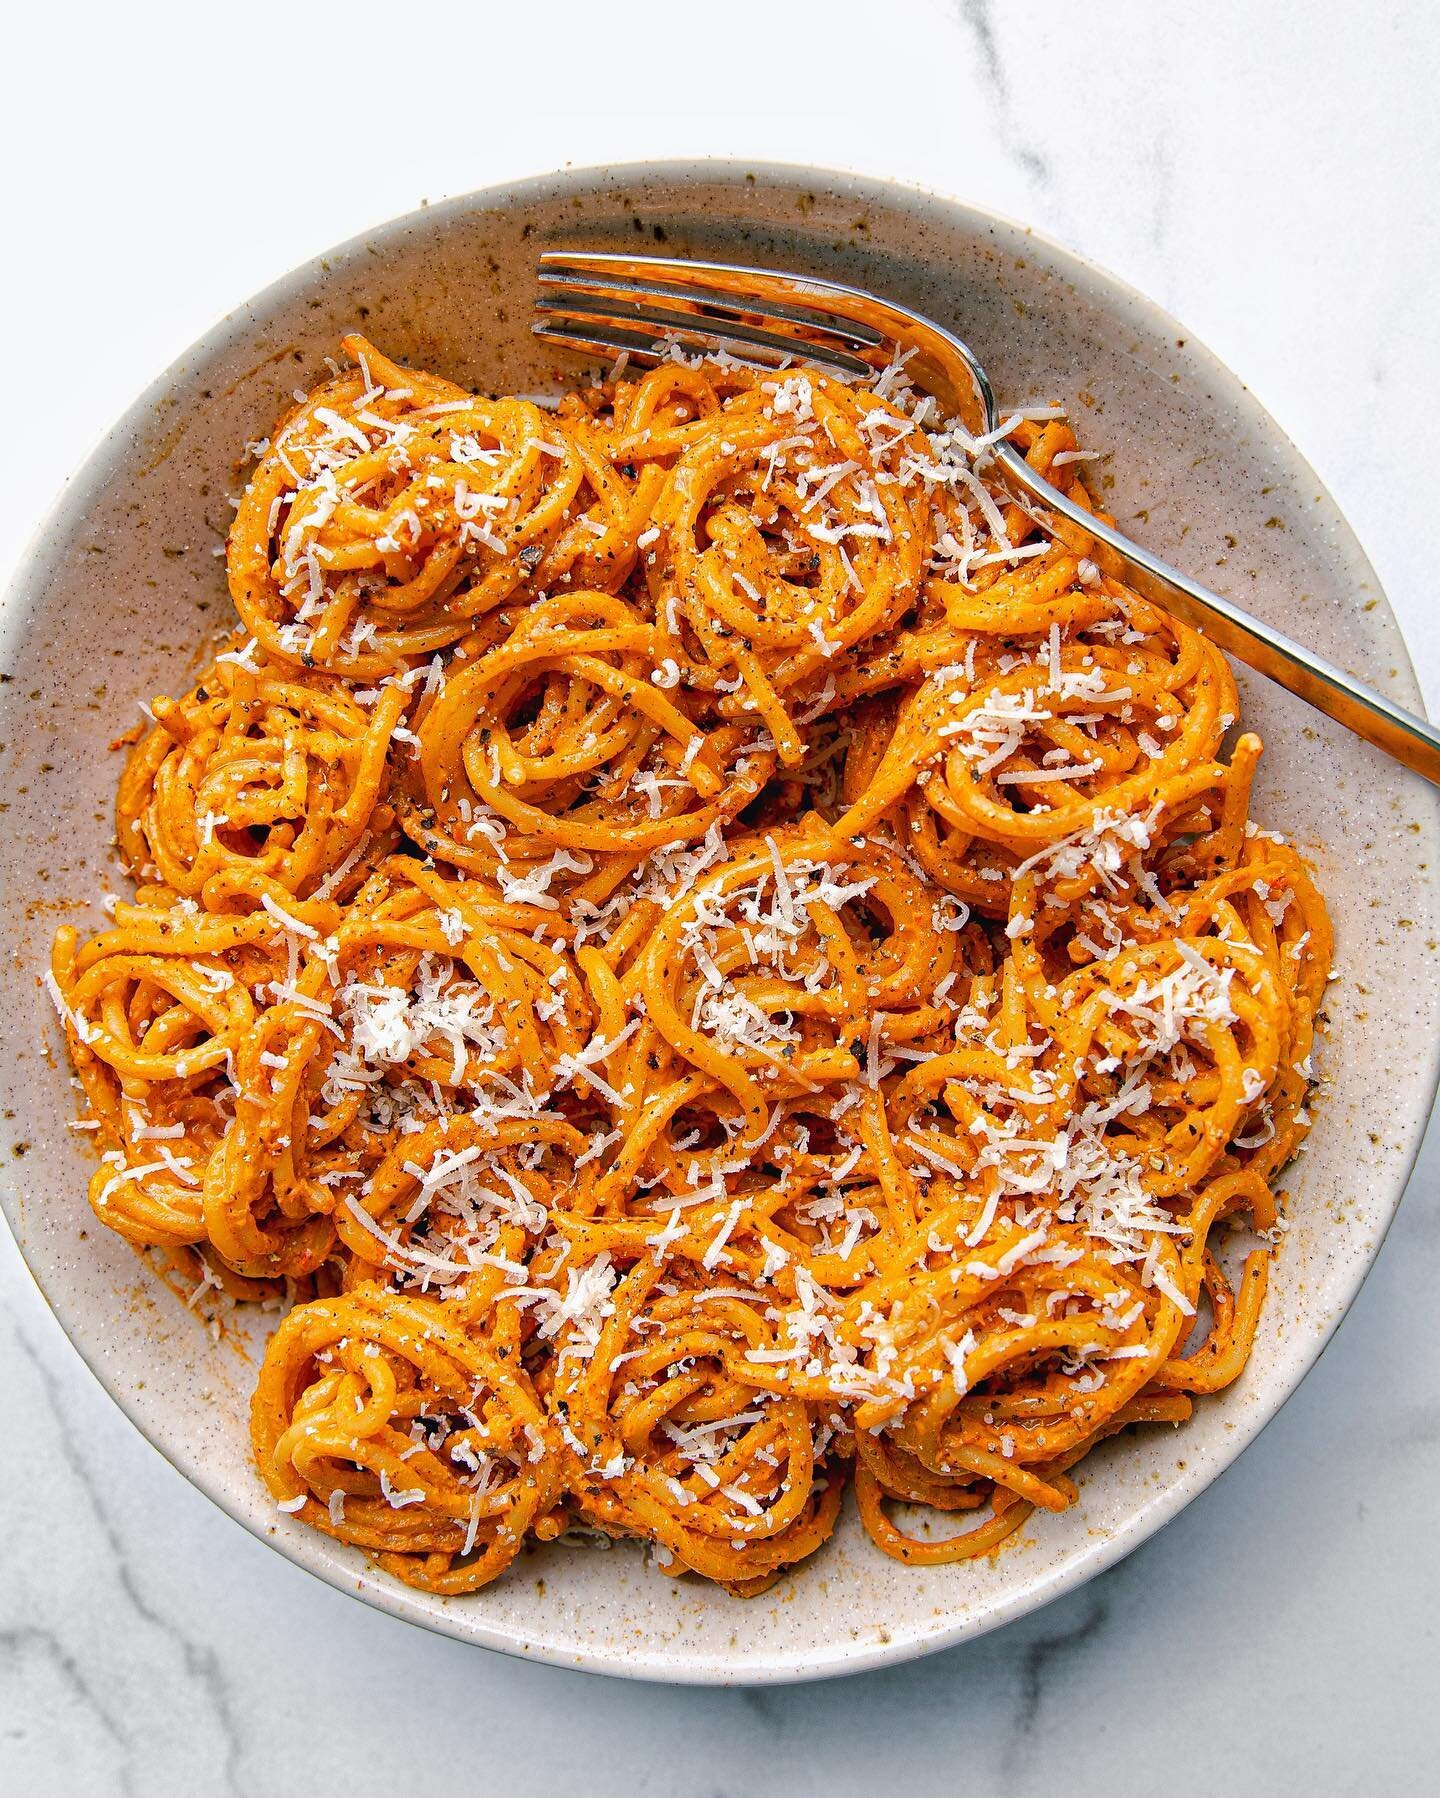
(701, 954)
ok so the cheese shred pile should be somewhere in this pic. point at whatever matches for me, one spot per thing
(701, 956)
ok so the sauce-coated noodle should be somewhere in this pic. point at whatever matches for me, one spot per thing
(699, 950)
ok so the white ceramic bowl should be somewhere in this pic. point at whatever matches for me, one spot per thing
(121, 586)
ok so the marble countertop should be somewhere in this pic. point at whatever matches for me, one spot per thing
(1265, 172)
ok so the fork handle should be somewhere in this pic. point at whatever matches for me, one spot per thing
(1370, 715)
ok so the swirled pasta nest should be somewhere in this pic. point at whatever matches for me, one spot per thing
(705, 958)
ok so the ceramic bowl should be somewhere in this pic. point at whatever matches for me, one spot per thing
(122, 585)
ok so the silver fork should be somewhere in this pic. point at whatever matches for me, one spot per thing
(643, 304)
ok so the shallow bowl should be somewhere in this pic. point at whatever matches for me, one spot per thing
(122, 585)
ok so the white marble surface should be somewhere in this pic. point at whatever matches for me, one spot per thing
(1265, 171)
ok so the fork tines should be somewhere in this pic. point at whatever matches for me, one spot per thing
(608, 303)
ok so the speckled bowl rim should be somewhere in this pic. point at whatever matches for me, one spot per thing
(41, 558)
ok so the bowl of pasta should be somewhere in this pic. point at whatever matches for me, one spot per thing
(673, 1039)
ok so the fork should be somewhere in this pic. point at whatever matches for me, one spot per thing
(644, 305)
